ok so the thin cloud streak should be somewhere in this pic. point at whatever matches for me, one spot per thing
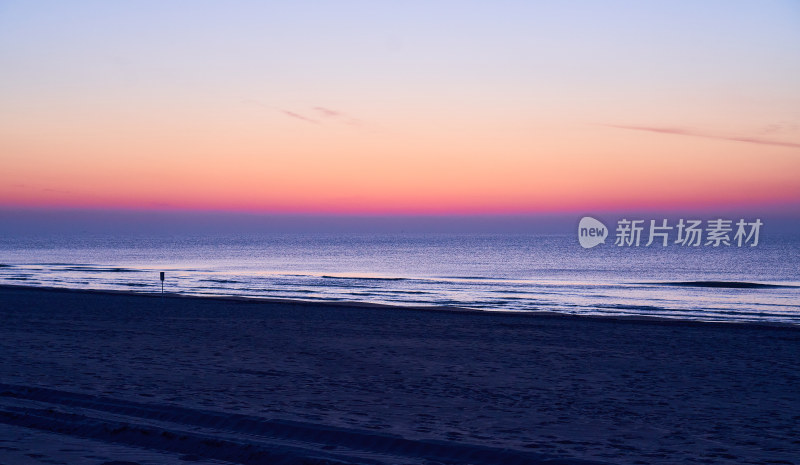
(324, 115)
(684, 132)
(328, 112)
(338, 115)
(292, 114)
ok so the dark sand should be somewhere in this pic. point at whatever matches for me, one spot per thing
(92, 378)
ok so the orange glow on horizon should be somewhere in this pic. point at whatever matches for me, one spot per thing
(414, 170)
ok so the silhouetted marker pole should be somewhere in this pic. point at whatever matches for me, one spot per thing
(162, 283)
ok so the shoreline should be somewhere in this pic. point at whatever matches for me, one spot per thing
(644, 319)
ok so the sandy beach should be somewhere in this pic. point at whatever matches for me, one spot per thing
(98, 377)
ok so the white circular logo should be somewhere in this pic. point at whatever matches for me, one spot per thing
(591, 232)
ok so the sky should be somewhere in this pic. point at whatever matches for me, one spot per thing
(406, 107)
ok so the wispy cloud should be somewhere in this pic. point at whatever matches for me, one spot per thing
(327, 112)
(780, 128)
(686, 132)
(292, 114)
(315, 115)
(338, 115)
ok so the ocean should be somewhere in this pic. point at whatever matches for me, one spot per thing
(490, 272)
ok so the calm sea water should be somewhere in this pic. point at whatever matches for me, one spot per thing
(480, 271)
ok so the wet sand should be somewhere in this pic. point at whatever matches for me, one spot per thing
(97, 377)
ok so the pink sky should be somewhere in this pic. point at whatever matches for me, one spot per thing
(469, 110)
